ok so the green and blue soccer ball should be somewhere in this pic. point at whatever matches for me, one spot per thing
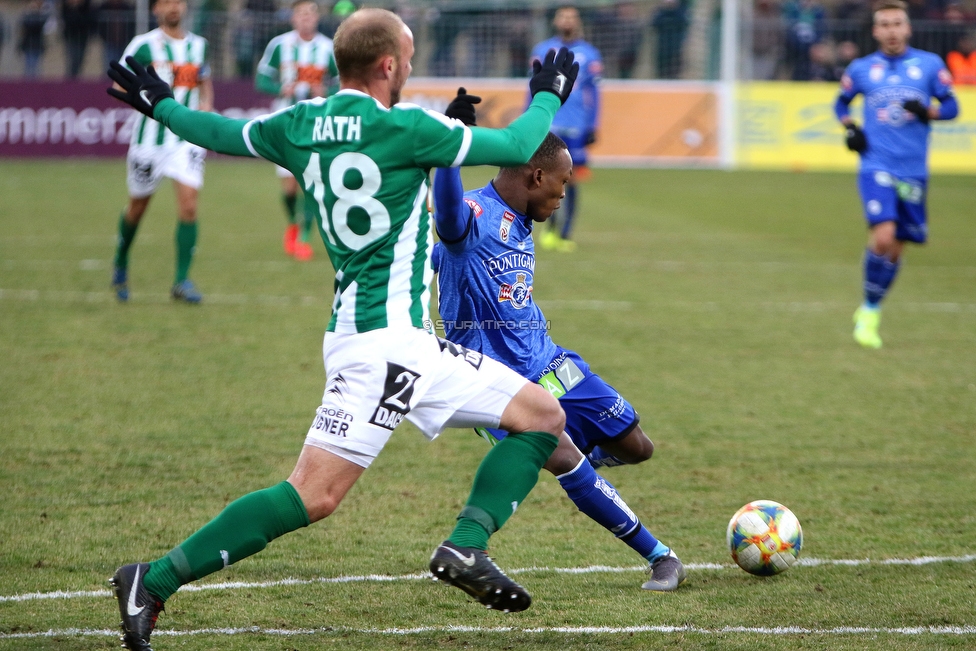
(764, 538)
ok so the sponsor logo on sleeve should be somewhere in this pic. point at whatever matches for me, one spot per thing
(475, 208)
(505, 227)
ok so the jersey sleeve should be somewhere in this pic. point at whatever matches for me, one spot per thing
(438, 140)
(138, 49)
(848, 90)
(940, 86)
(266, 79)
(266, 136)
(205, 70)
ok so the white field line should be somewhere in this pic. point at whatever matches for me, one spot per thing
(387, 578)
(570, 630)
(106, 296)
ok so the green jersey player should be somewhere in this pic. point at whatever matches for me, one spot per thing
(296, 66)
(156, 152)
(363, 161)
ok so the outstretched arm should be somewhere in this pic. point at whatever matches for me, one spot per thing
(209, 130)
(515, 144)
(452, 216)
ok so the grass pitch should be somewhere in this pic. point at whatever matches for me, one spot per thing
(718, 303)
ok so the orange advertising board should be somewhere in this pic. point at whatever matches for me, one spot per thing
(641, 123)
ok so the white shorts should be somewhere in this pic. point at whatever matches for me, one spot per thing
(376, 379)
(147, 165)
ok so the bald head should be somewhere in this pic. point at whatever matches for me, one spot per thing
(363, 38)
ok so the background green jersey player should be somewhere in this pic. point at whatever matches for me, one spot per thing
(296, 66)
(363, 161)
(155, 152)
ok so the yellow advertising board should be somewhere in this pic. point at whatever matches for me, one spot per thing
(789, 125)
(642, 123)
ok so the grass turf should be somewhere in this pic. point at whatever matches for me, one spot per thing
(718, 303)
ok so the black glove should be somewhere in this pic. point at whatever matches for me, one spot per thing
(589, 138)
(462, 107)
(920, 110)
(555, 75)
(142, 88)
(856, 141)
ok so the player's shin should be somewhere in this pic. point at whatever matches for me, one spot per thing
(243, 528)
(879, 274)
(506, 475)
(127, 234)
(597, 498)
(186, 242)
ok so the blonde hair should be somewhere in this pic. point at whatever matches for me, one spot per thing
(363, 38)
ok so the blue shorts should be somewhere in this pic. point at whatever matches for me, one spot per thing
(575, 140)
(595, 412)
(887, 198)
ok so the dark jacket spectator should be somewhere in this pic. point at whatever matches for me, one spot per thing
(31, 39)
(116, 27)
(671, 23)
(806, 23)
(79, 23)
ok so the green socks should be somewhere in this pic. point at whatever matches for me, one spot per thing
(506, 475)
(308, 220)
(186, 241)
(243, 528)
(290, 200)
(127, 233)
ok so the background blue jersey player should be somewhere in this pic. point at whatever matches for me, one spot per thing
(485, 263)
(898, 83)
(576, 122)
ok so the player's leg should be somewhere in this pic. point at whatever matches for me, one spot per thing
(470, 390)
(597, 498)
(881, 255)
(340, 444)
(289, 197)
(303, 247)
(142, 178)
(186, 243)
(184, 164)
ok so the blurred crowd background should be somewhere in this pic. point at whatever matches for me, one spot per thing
(802, 40)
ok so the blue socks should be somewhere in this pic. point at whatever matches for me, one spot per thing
(597, 498)
(879, 273)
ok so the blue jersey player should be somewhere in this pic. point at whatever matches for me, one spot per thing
(485, 263)
(898, 83)
(576, 122)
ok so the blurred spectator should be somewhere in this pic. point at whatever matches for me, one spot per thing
(330, 20)
(767, 40)
(3, 35)
(518, 31)
(822, 63)
(211, 19)
(243, 43)
(954, 28)
(31, 41)
(629, 33)
(670, 21)
(79, 23)
(805, 24)
(854, 23)
(116, 28)
(256, 25)
(444, 26)
(847, 51)
(962, 61)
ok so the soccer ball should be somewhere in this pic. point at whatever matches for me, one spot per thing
(764, 538)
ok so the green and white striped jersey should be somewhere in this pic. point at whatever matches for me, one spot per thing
(290, 60)
(181, 63)
(364, 168)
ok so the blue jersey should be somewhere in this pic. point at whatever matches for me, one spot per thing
(897, 140)
(581, 112)
(494, 258)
